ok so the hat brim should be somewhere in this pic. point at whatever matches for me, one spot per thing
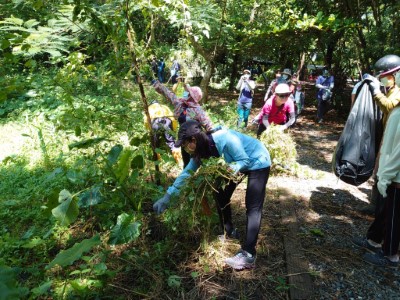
(389, 72)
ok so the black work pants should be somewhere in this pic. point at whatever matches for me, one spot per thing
(386, 225)
(255, 196)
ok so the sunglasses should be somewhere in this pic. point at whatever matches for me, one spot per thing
(283, 95)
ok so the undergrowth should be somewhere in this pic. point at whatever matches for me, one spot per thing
(76, 200)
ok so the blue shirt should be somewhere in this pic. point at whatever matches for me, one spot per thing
(324, 81)
(242, 153)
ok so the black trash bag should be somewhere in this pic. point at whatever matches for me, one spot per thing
(355, 153)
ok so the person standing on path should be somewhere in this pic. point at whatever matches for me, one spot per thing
(246, 88)
(276, 110)
(273, 84)
(243, 154)
(161, 70)
(383, 228)
(325, 84)
(383, 236)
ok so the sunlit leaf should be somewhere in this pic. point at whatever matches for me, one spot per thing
(69, 256)
(67, 212)
(125, 231)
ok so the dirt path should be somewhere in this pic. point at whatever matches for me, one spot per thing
(328, 213)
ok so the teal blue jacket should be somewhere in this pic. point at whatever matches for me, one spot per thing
(242, 152)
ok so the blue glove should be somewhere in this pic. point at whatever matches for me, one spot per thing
(161, 204)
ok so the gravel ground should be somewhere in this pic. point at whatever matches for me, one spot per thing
(330, 213)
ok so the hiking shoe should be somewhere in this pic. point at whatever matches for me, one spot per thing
(234, 235)
(378, 259)
(242, 260)
(363, 243)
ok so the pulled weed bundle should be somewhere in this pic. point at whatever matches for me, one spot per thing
(282, 149)
(194, 209)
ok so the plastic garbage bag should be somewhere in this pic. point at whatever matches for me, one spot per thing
(355, 153)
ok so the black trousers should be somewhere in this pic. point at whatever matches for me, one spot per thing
(255, 196)
(386, 225)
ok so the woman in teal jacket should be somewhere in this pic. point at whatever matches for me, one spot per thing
(244, 154)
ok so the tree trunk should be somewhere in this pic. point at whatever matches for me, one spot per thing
(131, 38)
(236, 58)
(301, 65)
(206, 79)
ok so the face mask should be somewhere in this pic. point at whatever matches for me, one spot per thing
(397, 78)
(384, 81)
(284, 76)
(246, 76)
(186, 94)
(298, 88)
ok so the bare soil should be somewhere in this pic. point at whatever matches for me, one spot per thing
(328, 213)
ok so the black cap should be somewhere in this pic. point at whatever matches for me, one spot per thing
(187, 130)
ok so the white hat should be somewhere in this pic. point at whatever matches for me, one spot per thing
(282, 88)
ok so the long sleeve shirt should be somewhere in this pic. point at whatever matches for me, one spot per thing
(190, 108)
(242, 153)
(389, 159)
(246, 88)
(387, 102)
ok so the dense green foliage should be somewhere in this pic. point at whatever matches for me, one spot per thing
(76, 193)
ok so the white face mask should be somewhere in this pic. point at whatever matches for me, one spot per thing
(186, 94)
(246, 76)
(384, 81)
(397, 78)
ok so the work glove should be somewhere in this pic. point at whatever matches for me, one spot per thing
(374, 84)
(161, 204)
(256, 119)
(382, 187)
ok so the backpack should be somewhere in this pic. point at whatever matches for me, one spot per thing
(355, 153)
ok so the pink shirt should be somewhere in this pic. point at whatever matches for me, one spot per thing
(277, 115)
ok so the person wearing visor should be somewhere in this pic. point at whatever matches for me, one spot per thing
(387, 70)
(246, 87)
(324, 84)
(276, 110)
(186, 108)
(272, 86)
(243, 154)
(383, 235)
